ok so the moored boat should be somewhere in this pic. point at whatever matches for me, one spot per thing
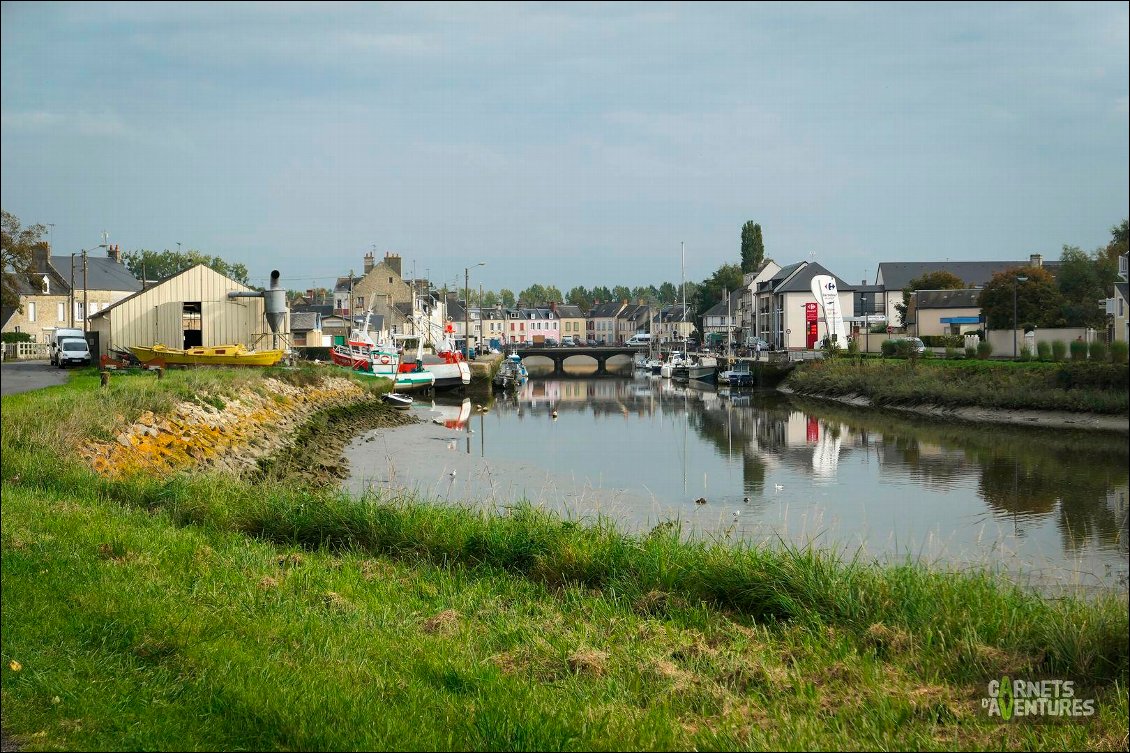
(210, 355)
(398, 400)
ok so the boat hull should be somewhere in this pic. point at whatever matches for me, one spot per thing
(216, 355)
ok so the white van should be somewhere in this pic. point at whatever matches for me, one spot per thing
(58, 336)
(636, 341)
(73, 350)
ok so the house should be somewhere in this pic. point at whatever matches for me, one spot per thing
(673, 323)
(601, 322)
(944, 312)
(784, 316)
(1120, 329)
(60, 290)
(573, 323)
(190, 308)
(892, 277)
(719, 322)
(634, 318)
(746, 313)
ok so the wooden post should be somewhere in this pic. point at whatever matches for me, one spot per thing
(105, 378)
(160, 372)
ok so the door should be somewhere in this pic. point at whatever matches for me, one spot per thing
(170, 327)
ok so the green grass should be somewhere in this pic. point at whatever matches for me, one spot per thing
(201, 612)
(1088, 388)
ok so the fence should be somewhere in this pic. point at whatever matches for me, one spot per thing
(27, 351)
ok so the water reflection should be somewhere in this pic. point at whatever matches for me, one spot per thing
(1048, 504)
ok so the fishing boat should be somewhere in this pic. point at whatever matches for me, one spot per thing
(448, 364)
(211, 355)
(365, 357)
(674, 360)
(704, 369)
(739, 376)
(511, 374)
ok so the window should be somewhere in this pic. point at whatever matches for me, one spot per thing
(31, 311)
(60, 312)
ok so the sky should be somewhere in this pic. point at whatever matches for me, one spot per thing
(566, 144)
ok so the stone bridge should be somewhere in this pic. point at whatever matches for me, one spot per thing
(600, 354)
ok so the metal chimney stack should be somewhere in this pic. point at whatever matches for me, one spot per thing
(274, 305)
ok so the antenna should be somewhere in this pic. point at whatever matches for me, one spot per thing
(105, 236)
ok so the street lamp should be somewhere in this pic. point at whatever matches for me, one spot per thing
(1015, 285)
(467, 309)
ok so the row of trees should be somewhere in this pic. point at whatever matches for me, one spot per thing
(1073, 297)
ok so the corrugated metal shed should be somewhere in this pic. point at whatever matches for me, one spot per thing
(189, 308)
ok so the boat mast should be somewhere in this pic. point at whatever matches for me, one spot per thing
(683, 283)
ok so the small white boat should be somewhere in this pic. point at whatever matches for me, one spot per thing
(398, 400)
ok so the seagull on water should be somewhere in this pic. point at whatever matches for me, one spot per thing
(700, 501)
(778, 487)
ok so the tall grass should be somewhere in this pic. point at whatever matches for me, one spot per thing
(202, 611)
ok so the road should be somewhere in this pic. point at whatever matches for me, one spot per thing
(21, 376)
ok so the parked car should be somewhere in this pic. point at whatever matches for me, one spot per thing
(639, 340)
(913, 343)
(590, 342)
(568, 342)
(551, 342)
(73, 350)
(752, 343)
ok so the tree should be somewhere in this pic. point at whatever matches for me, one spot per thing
(621, 293)
(17, 256)
(160, 265)
(668, 293)
(1084, 280)
(936, 280)
(553, 294)
(490, 299)
(533, 295)
(506, 295)
(1119, 240)
(1037, 299)
(727, 277)
(601, 293)
(753, 248)
(580, 297)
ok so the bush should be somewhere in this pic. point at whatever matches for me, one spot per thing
(970, 352)
(943, 341)
(951, 353)
(1099, 352)
(984, 349)
(853, 347)
(15, 337)
(887, 348)
(1025, 354)
(1078, 350)
(1118, 351)
(1044, 351)
(1059, 350)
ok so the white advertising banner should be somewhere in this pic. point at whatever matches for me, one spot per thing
(826, 294)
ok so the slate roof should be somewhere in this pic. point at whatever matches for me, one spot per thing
(102, 273)
(801, 282)
(948, 299)
(897, 275)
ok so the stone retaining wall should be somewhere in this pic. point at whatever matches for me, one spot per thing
(228, 434)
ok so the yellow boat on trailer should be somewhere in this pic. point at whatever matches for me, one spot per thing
(212, 355)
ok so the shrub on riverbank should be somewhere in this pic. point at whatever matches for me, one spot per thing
(1073, 386)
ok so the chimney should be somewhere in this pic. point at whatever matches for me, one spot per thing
(41, 254)
(115, 253)
(553, 306)
(1036, 260)
(370, 262)
(393, 260)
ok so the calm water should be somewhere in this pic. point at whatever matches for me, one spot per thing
(1048, 507)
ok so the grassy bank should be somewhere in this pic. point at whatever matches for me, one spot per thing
(1077, 387)
(203, 612)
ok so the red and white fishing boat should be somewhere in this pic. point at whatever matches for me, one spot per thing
(448, 364)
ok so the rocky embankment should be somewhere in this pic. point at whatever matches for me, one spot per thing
(231, 434)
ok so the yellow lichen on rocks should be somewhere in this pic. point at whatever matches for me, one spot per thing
(249, 426)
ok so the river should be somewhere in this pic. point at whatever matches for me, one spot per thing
(1046, 507)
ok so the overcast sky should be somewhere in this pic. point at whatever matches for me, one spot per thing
(567, 143)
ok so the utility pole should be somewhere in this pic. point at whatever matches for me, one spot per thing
(71, 296)
(85, 294)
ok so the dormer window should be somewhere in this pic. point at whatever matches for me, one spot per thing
(46, 285)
